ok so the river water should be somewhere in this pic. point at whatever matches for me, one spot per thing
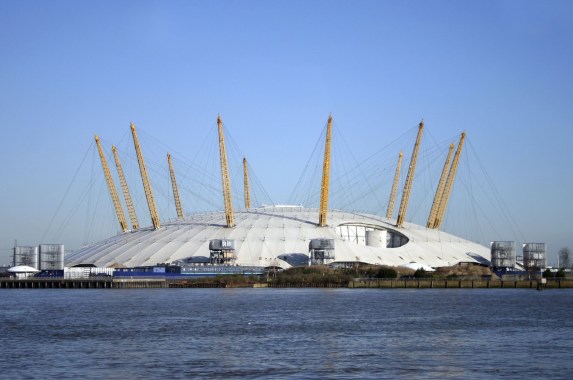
(286, 333)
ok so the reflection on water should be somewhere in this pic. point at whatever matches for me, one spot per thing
(286, 333)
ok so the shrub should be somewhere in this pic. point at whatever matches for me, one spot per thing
(387, 272)
(420, 273)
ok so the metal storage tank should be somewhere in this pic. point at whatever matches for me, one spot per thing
(51, 256)
(321, 251)
(503, 255)
(376, 238)
(534, 255)
(26, 256)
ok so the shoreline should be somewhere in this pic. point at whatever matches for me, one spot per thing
(146, 283)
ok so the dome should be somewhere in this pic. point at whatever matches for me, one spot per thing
(22, 269)
(279, 236)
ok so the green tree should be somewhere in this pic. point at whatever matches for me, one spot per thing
(420, 273)
(387, 272)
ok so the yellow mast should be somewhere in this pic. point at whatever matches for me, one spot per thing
(145, 179)
(392, 200)
(440, 190)
(449, 183)
(409, 178)
(229, 215)
(246, 183)
(325, 175)
(125, 190)
(111, 186)
(175, 189)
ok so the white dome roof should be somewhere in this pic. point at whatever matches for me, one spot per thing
(22, 269)
(280, 236)
(415, 266)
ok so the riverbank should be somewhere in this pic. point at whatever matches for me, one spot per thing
(221, 283)
(452, 284)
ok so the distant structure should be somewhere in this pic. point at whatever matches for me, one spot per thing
(125, 190)
(321, 251)
(222, 252)
(178, 207)
(564, 258)
(447, 190)
(432, 218)
(51, 256)
(392, 201)
(42, 257)
(325, 175)
(503, 256)
(286, 235)
(247, 189)
(225, 178)
(409, 178)
(145, 179)
(534, 256)
(111, 187)
(27, 256)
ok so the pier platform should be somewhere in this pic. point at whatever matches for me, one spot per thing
(122, 283)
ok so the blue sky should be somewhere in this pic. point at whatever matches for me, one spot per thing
(274, 70)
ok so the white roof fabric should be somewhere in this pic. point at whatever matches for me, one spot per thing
(416, 266)
(22, 269)
(269, 236)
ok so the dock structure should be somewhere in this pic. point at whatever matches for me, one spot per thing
(56, 283)
(146, 283)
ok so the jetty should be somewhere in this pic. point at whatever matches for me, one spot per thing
(146, 283)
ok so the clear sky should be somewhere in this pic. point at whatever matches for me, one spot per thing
(500, 70)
